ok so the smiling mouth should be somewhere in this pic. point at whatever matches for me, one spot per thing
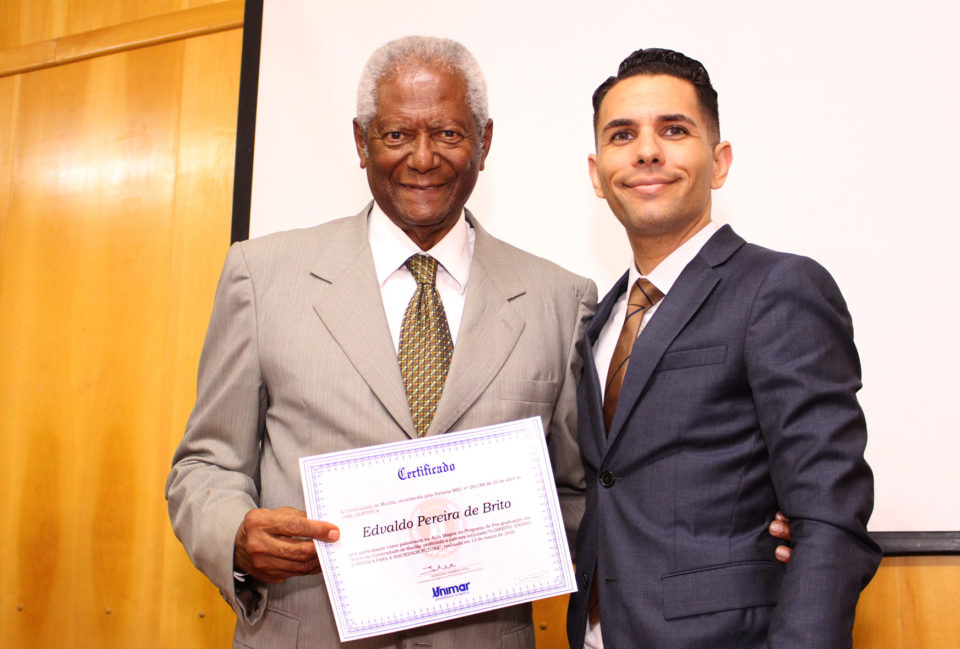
(648, 186)
(648, 182)
(422, 188)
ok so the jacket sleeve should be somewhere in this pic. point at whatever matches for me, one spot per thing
(214, 480)
(564, 451)
(804, 373)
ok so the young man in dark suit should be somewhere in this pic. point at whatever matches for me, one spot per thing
(719, 383)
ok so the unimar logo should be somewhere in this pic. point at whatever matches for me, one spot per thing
(446, 591)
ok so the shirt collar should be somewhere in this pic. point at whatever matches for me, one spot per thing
(668, 270)
(391, 247)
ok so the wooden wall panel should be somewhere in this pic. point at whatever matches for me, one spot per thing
(879, 622)
(550, 622)
(29, 21)
(194, 615)
(153, 30)
(9, 98)
(911, 604)
(115, 186)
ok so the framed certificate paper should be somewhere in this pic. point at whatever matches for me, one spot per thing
(438, 528)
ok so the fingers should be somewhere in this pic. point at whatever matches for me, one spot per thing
(274, 545)
(287, 521)
(783, 553)
(270, 568)
(780, 527)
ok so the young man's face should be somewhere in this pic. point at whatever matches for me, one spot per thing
(656, 162)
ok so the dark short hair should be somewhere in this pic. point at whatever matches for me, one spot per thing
(655, 60)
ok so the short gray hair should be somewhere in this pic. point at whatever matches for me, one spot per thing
(422, 50)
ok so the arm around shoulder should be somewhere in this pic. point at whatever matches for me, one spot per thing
(804, 372)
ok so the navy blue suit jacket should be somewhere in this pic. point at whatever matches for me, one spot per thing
(739, 399)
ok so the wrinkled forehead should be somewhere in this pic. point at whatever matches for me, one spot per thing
(413, 70)
(420, 89)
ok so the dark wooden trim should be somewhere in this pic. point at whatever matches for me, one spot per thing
(898, 544)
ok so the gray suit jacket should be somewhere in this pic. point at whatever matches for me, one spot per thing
(740, 397)
(298, 360)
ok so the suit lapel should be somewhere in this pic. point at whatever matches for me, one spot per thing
(489, 330)
(350, 305)
(590, 402)
(685, 298)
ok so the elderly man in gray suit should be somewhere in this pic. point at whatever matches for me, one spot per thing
(308, 349)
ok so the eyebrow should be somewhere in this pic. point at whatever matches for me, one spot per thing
(677, 117)
(617, 123)
(661, 119)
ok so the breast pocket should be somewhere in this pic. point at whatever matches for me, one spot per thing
(528, 391)
(522, 398)
(683, 358)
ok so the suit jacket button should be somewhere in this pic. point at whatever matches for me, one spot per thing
(606, 479)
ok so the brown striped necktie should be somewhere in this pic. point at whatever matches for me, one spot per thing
(643, 295)
(425, 344)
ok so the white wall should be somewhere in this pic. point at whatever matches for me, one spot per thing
(844, 123)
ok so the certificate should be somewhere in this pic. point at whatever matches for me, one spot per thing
(438, 527)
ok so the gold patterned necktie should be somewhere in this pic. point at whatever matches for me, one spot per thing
(643, 295)
(425, 344)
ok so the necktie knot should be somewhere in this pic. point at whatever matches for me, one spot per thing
(643, 295)
(423, 268)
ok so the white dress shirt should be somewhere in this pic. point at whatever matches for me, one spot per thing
(391, 247)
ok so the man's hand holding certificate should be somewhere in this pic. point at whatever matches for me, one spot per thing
(438, 528)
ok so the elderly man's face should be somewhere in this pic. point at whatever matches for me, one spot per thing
(423, 151)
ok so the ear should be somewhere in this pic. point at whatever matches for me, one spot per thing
(722, 159)
(594, 175)
(358, 139)
(487, 141)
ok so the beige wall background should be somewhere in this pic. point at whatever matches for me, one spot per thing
(117, 131)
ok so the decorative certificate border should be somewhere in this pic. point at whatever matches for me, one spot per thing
(451, 481)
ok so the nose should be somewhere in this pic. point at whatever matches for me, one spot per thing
(647, 149)
(422, 158)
